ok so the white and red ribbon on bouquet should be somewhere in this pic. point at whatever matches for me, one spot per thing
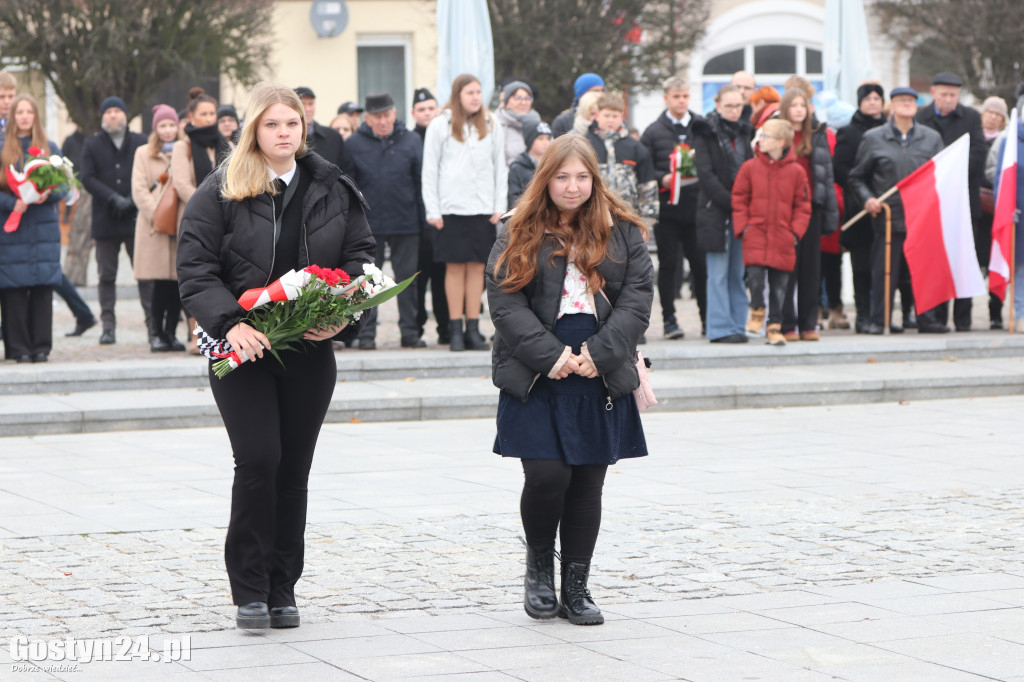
(25, 189)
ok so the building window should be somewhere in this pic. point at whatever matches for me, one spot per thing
(775, 59)
(383, 65)
(729, 63)
(771, 65)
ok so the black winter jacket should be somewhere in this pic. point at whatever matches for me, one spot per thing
(226, 247)
(848, 140)
(883, 160)
(715, 175)
(388, 173)
(525, 346)
(520, 172)
(661, 139)
(823, 189)
(962, 120)
(328, 143)
(106, 170)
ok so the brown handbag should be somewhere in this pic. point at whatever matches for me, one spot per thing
(165, 217)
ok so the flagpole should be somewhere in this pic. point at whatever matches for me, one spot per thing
(888, 193)
(888, 264)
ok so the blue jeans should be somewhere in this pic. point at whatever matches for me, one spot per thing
(727, 295)
(1018, 292)
(69, 293)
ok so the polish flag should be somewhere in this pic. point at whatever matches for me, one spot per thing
(940, 240)
(1003, 222)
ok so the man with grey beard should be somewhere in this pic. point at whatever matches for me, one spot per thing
(106, 172)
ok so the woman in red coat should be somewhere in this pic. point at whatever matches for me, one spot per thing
(771, 208)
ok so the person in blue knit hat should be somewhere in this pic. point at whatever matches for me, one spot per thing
(587, 82)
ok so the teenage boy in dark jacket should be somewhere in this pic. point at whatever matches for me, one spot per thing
(388, 161)
(625, 163)
(537, 137)
(675, 233)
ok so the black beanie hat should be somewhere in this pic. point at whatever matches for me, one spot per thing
(533, 130)
(866, 89)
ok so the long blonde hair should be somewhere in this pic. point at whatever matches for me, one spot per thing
(536, 216)
(12, 154)
(246, 175)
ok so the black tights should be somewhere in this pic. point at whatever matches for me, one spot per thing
(557, 493)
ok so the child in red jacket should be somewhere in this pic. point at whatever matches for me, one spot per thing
(771, 207)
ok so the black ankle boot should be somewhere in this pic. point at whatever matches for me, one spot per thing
(158, 344)
(456, 338)
(540, 600)
(474, 340)
(253, 616)
(576, 602)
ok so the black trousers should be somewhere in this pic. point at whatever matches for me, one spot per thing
(896, 269)
(675, 237)
(107, 250)
(27, 320)
(832, 276)
(433, 273)
(860, 262)
(404, 258)
(962, 311)
(166, 307)
(778, 281)
(557, 496)
(805, 281)
(273, 416)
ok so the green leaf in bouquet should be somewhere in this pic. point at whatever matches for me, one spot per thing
(382, 297)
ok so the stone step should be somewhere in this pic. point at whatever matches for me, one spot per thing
(190, 372)
(411, 398)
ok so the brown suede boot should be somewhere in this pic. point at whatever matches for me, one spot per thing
(774, 335)
(755, 322)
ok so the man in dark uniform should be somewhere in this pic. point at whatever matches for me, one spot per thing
(952, 120)
(424, 110)
(106, 173)
(324, 141)
(676, 229)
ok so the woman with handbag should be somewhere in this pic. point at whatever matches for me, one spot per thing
(570, 288)
(194, 157)
(156, 242)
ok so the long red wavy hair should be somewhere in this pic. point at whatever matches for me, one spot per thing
(585, 237)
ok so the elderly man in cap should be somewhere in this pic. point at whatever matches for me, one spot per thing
(106, 173)
(887, 154)
(424, 110)
(324, 140)
(952, 120)
(388, 159)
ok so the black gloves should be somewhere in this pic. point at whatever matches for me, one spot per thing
(121, 206)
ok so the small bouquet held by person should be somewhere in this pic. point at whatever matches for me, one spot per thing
(313, 298)
(41, 175)
(683, 168)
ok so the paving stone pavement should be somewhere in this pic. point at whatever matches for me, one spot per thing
(856, 542)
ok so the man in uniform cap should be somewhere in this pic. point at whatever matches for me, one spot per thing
(952, 119)
(324, 140)
(424, 110)
(388, 159)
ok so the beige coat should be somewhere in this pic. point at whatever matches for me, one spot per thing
(155, 252)
(183, 173)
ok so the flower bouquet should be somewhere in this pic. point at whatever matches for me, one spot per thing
(40, 176)
(683, 167)
(313, 298)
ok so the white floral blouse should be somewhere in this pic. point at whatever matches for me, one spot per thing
(575, 298)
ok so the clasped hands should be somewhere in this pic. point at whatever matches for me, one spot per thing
(577, 364)
(250, 344)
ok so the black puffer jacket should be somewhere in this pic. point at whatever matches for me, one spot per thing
(525, 346)
(226, 247)
(823, 191)
(848, 140)
(715, 175)
(520, 172)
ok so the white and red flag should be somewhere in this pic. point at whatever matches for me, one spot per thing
(940, 240)
(1003, 225)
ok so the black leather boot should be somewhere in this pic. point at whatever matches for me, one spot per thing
(253, 616)
(284, 617)
(540, 600)
(474, 340)
(576, 602)
(158, 344)
(456, 338)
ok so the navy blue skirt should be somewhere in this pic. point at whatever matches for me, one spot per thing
(567, 419)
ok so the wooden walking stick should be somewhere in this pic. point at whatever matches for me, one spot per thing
(888, 264)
